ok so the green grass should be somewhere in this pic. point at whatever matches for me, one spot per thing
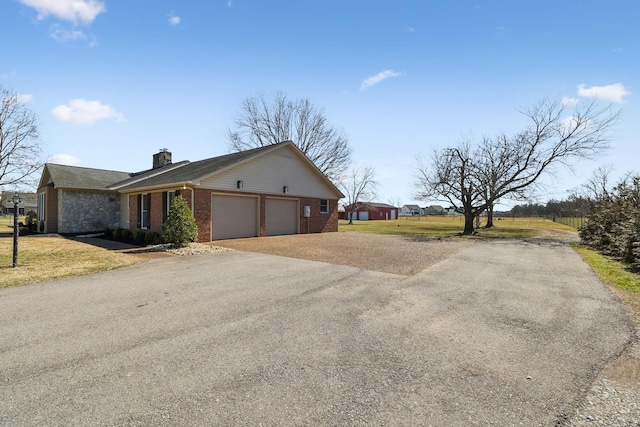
(609, 270)
(452, 226)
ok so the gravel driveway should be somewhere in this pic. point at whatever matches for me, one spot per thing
(385, 253)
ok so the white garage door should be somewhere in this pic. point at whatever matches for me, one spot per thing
(281, 217)
(233, 217)
(393, 214)
(363, 216)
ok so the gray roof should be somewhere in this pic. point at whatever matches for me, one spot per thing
(191, 171)
(64, 176)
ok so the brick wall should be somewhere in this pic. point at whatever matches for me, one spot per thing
(318, 222)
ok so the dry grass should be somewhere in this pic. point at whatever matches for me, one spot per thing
(42, 258)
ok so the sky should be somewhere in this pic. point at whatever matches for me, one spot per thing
(114, 81)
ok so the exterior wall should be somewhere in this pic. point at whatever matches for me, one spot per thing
(270, 173)
(51, 209)
(80, 211)
(318, 222)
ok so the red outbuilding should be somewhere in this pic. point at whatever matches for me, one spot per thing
(371, 211)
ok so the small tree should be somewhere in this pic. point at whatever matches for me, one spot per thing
(359, 187)
(180, 228)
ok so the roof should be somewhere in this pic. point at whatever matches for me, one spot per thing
(64, 176)
(192, 171)
(412, 206)
(180, 173)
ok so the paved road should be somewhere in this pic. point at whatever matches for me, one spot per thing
(501, 333)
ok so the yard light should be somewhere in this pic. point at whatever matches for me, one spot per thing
(16, 229)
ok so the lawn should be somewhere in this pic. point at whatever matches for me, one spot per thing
(452, 226)
(42, 258)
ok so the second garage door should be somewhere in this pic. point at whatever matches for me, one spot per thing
(233, 217)
(281, 217)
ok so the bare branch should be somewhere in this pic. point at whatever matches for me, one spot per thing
(265, 121)
(19, 146)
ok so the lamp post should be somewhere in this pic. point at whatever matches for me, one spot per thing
(16, 229)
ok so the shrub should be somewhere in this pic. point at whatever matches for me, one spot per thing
(108, 232)
(117, 233)
(180, 227)
(140, 236)
(126, 234)
(31, 220)
(153, 238)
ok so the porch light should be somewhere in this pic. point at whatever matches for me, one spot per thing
(285, 189)
(240, 184)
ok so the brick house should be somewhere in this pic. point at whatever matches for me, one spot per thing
(260, 192)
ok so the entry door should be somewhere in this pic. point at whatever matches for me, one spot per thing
(233, 217)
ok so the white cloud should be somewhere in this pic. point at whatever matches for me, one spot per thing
(374, 80)
(25, 98)
(64, 159)
(569, 101)
(9, 75)
(411, 30)
(174, 20)
(229, 4)
(614, 93)
(76, 11)
(83, 111)
(62, 35)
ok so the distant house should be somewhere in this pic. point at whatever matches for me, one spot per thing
(372, 211)
(261, 192)
(434, 210)
(411, 210)
(27, 203)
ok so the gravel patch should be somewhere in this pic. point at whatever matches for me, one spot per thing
(190, 249)
(404, 255)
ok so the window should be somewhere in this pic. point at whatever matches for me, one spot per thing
(144, 211)
(41, 207)
(324, 206)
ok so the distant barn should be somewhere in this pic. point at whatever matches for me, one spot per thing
(370, 211)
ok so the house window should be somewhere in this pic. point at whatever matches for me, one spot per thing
(324, 206)
(144, 211)
(41, 207)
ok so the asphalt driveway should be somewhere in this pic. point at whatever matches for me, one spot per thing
(498, 333)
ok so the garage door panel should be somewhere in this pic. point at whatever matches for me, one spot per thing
(281, 217)
(234, 217)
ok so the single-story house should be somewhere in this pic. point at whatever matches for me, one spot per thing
(434, 210)
(27, 203)
(265, 191)
(372, 211)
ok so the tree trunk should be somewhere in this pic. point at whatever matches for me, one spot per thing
(489, 216)
(468, 222)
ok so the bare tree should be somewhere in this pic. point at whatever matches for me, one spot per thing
(473, 178)
(266, 121)
(19, 145)
(598, 186)
(359, 187)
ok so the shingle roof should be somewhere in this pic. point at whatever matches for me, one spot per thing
(196, 170)
(64, 176)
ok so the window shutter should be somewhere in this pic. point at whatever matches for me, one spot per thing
(165, 197)
(148, 197)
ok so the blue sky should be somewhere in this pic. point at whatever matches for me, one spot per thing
(114, 81)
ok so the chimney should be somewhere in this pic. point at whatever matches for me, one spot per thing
(161, 159)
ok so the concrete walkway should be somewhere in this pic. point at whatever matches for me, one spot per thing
(500, 333)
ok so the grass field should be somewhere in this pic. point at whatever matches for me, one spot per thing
(452, 226)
